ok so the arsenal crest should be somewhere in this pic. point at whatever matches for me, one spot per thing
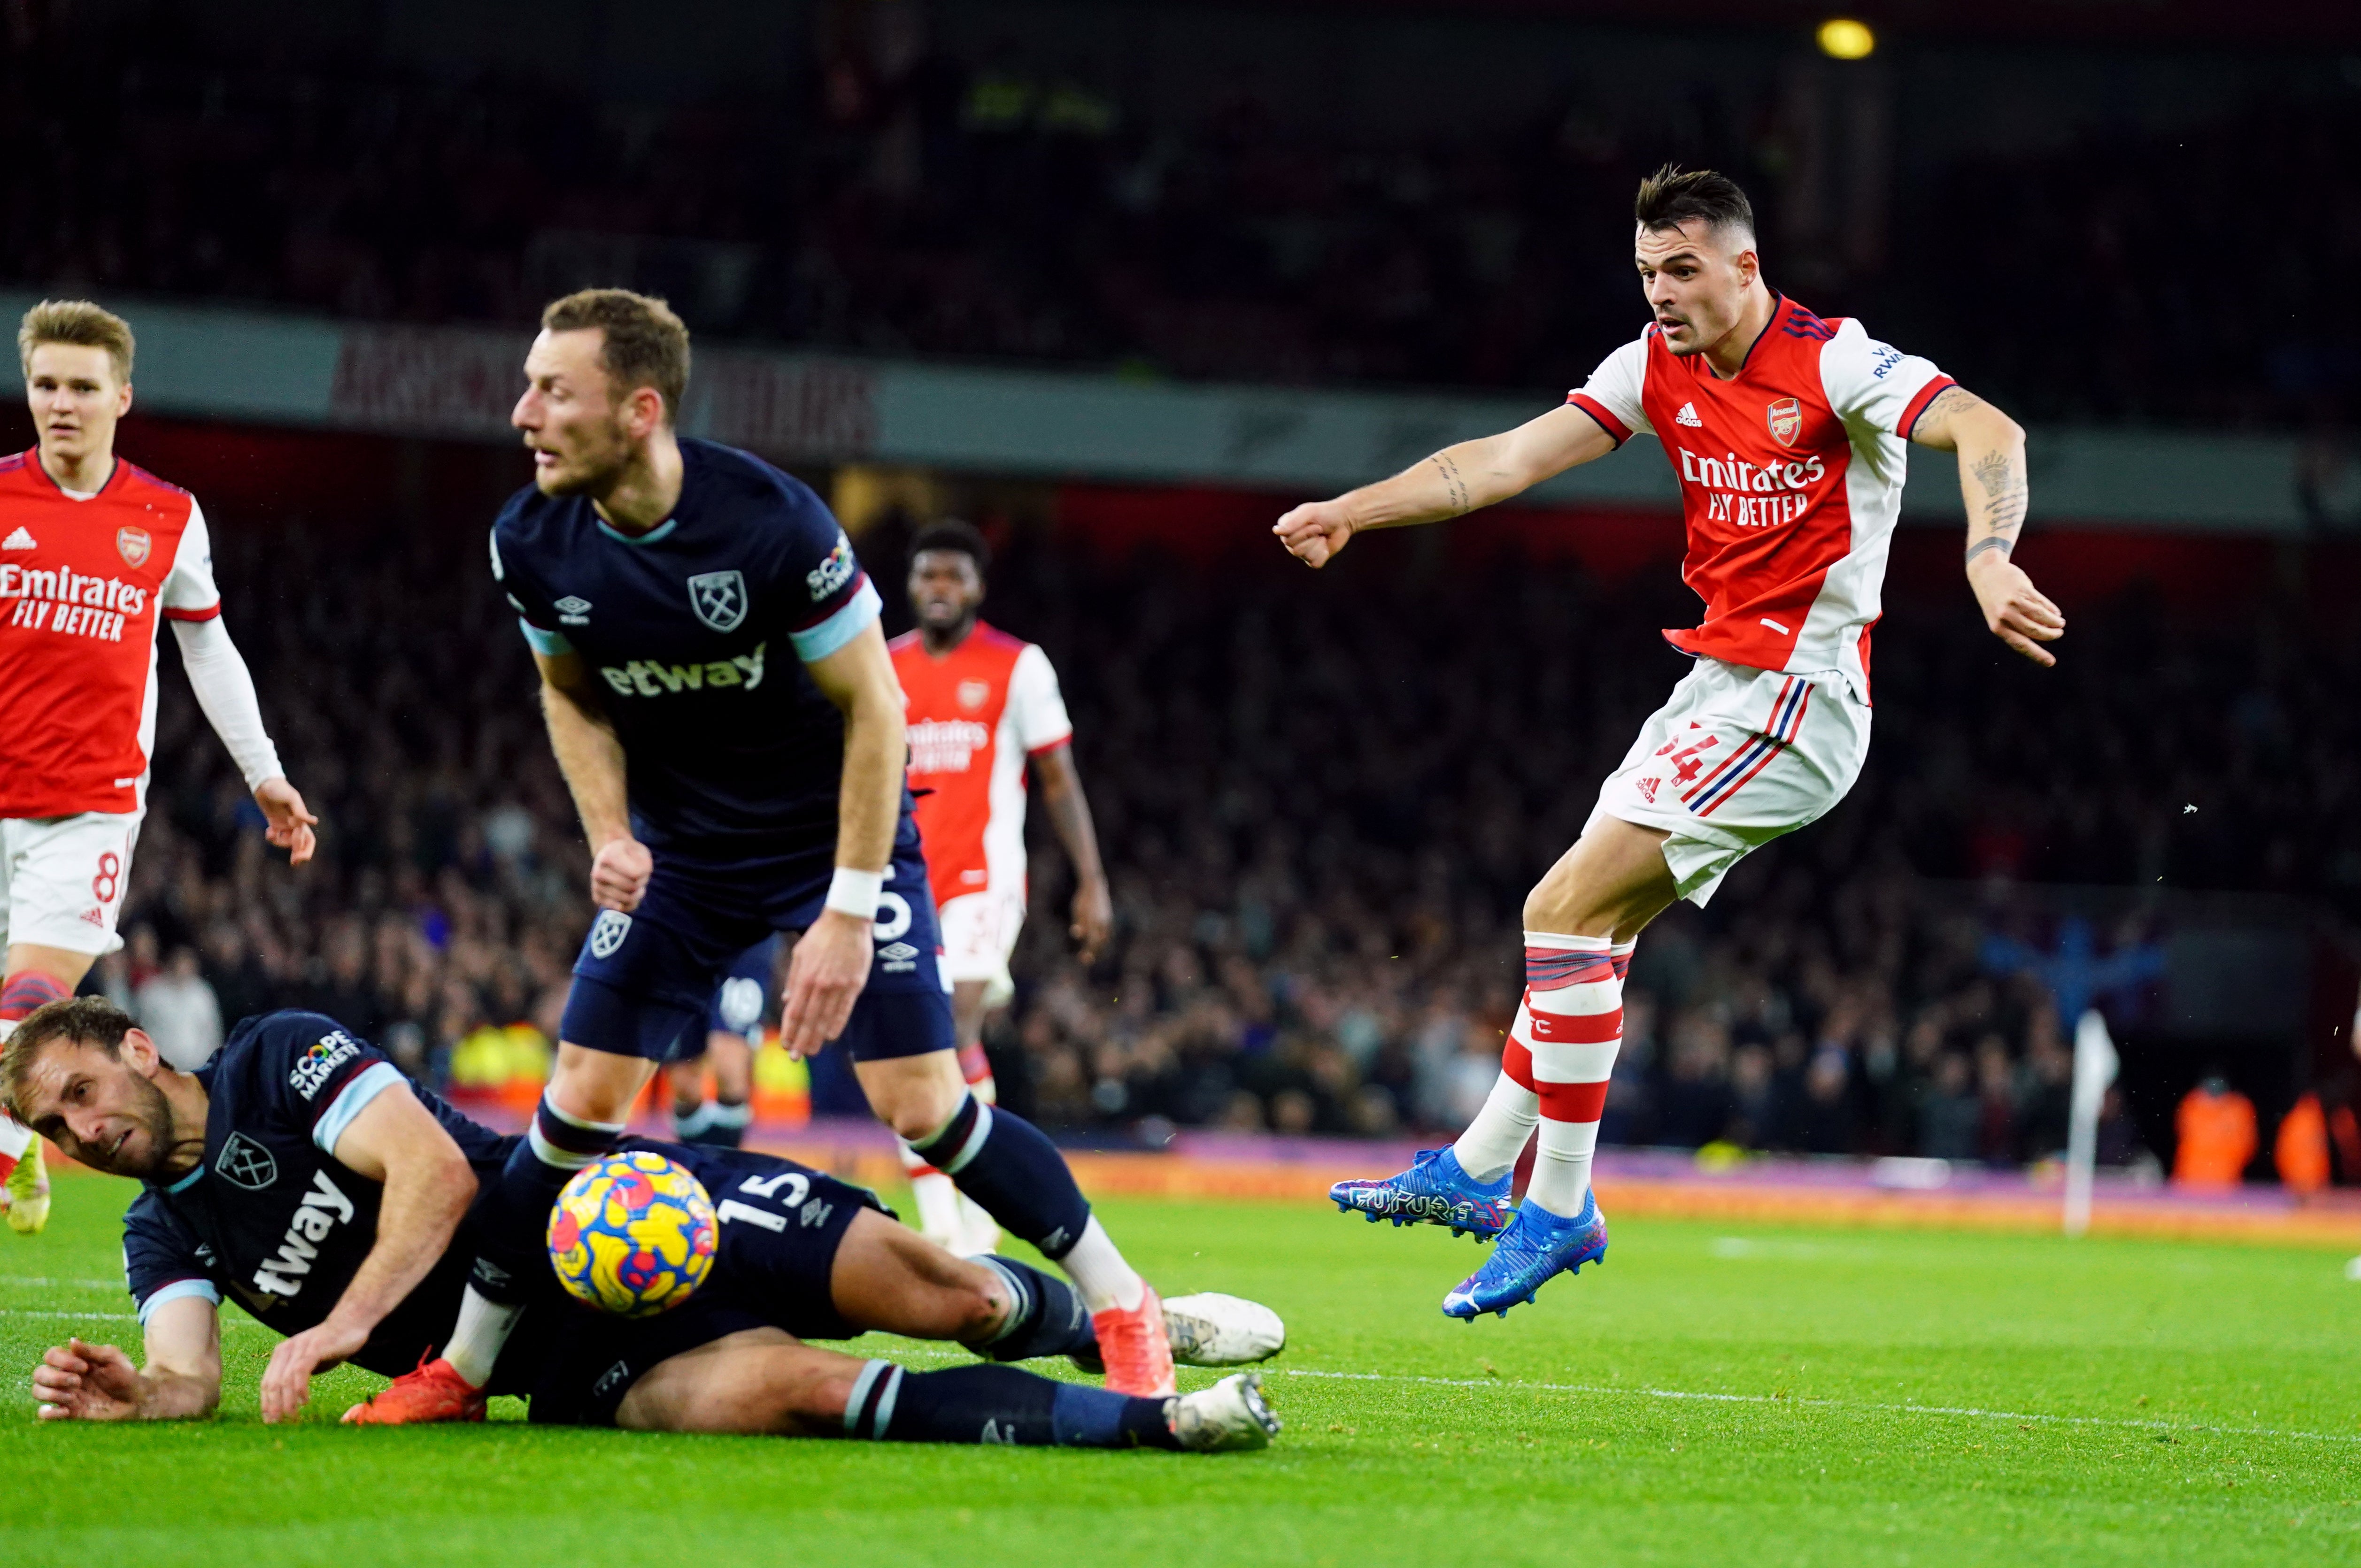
(1787, 419)
(972, 694)
(718, 599)
(132, 545)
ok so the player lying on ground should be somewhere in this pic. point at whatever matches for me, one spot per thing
(721, 701)
(301, 1173)
(96, 554)
(978, 705)
(1789, 435)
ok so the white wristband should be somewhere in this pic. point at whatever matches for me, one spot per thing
(852, 891)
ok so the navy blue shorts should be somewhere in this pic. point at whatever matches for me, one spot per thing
(744, 998)
(780, 1225)
(645, 981)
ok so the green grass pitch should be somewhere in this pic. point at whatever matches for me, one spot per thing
(1718, 1395)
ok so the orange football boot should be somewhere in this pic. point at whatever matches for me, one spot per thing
(1136, 1347)
(433, 1393)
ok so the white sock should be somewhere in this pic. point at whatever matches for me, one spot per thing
(1100, 1273)
(14, 1139)
(937, 1196)
(979, 1231)
(475, 1342)
(1488, 1150)
(1562, 1167)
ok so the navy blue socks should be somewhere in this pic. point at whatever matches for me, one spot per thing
(999, 1404)
(1046, 1317)
(1005, 1163)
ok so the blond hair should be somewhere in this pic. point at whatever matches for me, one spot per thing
(80, 324)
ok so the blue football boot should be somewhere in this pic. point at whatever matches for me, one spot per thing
(1536, 1247)
(1434, 1190)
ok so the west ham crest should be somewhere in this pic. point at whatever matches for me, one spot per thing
(1787, 419)
(245, 1163)
(606, 932)
(132, 545)
(718, 599)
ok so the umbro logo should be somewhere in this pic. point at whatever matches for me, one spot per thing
(574, 611)
(1688, 416)
(21, 540)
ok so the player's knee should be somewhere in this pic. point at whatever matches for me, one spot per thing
(918, 1107)
(596, 1086)
(978, 1302)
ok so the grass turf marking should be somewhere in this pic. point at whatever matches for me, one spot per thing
(1963, 1410)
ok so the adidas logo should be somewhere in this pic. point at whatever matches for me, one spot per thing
(21, 540)
(1687, 416)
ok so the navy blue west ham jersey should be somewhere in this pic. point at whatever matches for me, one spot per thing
(696, 633)
(269, 1217)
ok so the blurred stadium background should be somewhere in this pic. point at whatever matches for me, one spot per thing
(1118, 283)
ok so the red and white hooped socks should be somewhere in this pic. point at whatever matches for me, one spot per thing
(1554, 1070)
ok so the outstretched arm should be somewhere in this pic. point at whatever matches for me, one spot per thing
(1992, 477)
(428, 1183)
(591, 758)
(1454, 482)
(77, 1381)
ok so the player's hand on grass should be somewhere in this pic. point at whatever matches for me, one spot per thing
(825, 970)
(1093, 919)
(287, 1381)
(290, 821)
(619, 874)
(2017, 612)
(77, 1381)
(1315, 531)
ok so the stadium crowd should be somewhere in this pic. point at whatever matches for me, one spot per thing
(1320, 801)
(914, 204)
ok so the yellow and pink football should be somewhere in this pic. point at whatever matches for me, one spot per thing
(633, 1234)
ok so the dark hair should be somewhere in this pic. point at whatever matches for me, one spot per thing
(80, 1020)
(1673, 196)
(954, 534)
(645, 344)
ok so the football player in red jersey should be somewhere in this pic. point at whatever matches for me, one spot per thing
(93, 552)
(1789, 434)
(978, 705)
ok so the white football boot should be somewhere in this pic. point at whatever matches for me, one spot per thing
(1210, 1328)
(1227, 1418)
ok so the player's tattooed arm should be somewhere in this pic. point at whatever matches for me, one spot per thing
(1454, 487)
(77, 1381)
(1990, 448)
(1452, 483)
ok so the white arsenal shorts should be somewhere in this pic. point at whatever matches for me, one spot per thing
(979, 933)
(61, 879)
(1736, 758)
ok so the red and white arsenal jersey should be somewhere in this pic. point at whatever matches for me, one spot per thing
(1791, 479)
(81, 583)
(973, 717)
